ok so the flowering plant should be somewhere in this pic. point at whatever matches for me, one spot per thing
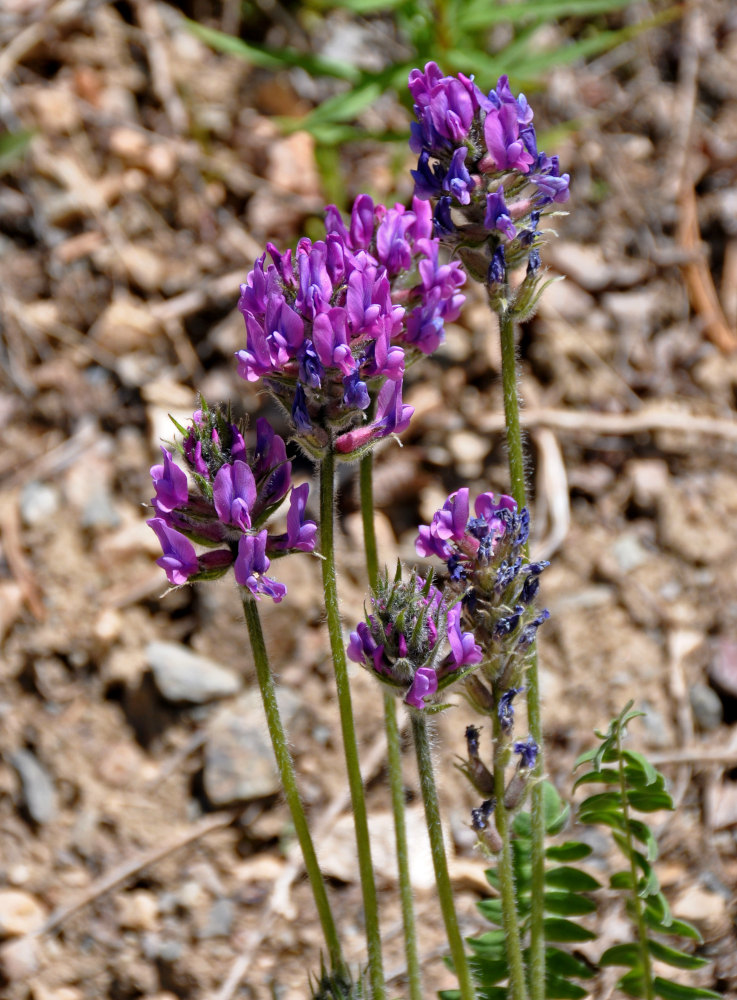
(330, 331)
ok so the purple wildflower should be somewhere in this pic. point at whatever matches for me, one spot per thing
(234, 494)
(505, 709)
(424, 685)
(251, 564)
(170, 483)
(528, 751)
(497, 214)
(179, 560)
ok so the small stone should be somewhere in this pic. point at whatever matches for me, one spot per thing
(99, 510)
(138, 910)
(19, 959)
(20, 913)
(182, 676)
(38, 503)
(337, 853)
(239, 758)
(37, 787)
(706, 706)
(219, 920)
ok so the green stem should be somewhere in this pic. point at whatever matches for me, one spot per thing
(289, 781)
(634, 873)
(368, 886)
(516, 458)
(442, 879)
(394, 754)
(505, 869)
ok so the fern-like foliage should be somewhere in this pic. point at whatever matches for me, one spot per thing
(633, 786)
(566, 896)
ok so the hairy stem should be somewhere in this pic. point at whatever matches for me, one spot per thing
(289, 780)
(368, 886)
(516, 459)
(394, 755)
(647, 974)
(442, 879)
(510, 918)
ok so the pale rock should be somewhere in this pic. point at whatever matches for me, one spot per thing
(19, 959)
(337, 851)
(37, 787)
(138, 910)
(239, 758)
(184, 677)
(292, 164)
(125, 325)
(20, 913)
(38, 503)
(700, 906)
(706, 706)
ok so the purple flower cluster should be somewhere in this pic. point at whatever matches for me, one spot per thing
(226, 505)
(401, 642)
(328, 327)
(485, 559)
(477, 152)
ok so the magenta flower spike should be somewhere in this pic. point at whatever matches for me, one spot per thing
(328, 329)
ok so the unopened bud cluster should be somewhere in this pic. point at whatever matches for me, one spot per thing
(487, 568)
(412, 640)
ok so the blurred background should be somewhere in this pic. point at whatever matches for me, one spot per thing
(148, 151)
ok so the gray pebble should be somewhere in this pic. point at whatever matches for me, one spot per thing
(239, 759)
(706, 706)
(37, 787)
(38, 503)
(219, 920)
(182, 676)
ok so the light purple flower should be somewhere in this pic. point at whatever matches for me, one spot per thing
(179, 560)
(170, 483)
(234, 494)
(507, 151)
(251, 564)
(300, 533)
(464, 648)
(424, 686)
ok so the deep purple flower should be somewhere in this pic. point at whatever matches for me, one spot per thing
(392, 417)
(457, 180)
(251, 564)
(497, 214)
(170, 483)
(179, 560)
(505, 709)
(528, 751)
(424, 686)
(271, 470)
(498, 267)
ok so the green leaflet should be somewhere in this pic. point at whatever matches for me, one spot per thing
(638, 787)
